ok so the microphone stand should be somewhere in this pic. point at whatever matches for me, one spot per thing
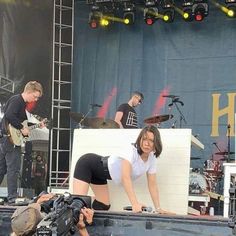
(228, 128)
(181, 115)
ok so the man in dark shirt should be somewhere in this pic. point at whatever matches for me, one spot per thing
(126, 116)
(39, 173)
(14, 115)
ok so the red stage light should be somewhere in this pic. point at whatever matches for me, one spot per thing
(149, 21)
(198, 17)
(93, 24)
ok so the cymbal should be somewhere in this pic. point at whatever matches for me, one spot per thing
(224, 153)
(77, 117)
(195, 158)
(226, 159)
(102, 123)
(157, 119)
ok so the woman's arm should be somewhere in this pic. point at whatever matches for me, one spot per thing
(126, 170)
(154, 191)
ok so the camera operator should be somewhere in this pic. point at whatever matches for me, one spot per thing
(85, 215)
(26, 218)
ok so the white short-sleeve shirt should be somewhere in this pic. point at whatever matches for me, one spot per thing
(139, 167)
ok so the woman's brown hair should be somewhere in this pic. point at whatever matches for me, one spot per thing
(157, 139)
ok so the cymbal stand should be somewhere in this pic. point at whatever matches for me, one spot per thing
(175, 102)
(81, 121)
(228, 128)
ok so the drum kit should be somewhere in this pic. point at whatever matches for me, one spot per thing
(93, 122)
(157, 119)
(209, 179)
(103, 123)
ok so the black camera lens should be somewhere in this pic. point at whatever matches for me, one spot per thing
(77, 205)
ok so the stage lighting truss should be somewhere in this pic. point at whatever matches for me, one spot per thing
(200, 9)
(105, 12)
(168, 13)
(231, 5)
(150, 12)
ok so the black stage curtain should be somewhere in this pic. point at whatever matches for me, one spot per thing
(26, 46)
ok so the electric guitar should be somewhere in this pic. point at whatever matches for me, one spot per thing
(15, 135)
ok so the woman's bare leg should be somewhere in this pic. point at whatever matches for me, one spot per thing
(101, 193)
(80, 187)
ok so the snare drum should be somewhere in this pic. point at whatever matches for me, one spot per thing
(197, 183)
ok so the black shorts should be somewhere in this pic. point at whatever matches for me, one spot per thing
(90, 169)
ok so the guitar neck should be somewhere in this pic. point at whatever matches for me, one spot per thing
(34, 126)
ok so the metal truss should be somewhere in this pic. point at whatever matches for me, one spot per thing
(6, 86)
(60, 133)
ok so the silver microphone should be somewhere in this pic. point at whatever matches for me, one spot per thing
(129, 208)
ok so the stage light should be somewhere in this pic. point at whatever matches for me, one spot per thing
(168, 10)
(104, 22)
(128, 13)
(150, 15)
(231, 11)
(168, 15)
(231, 6)
(187, 11)
(200, 9)
(128, 18)
(94, 19)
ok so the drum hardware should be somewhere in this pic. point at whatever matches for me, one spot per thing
(196, 170)
(202, 183)
(197, 183)
(213, 172)
(213, 166)
(157, 119)
(212, 181)
(102, 123)
(224, 153)
(78, 117)
(175, 100)
(208, 179)
(93, 122)
(228, 152)
(228, 129)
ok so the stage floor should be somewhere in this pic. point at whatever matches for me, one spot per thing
(128, 223)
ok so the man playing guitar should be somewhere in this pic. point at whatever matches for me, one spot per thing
(14, 115)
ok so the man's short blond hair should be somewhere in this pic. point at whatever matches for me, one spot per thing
(33, 86)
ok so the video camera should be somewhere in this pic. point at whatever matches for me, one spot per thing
(63, 215)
